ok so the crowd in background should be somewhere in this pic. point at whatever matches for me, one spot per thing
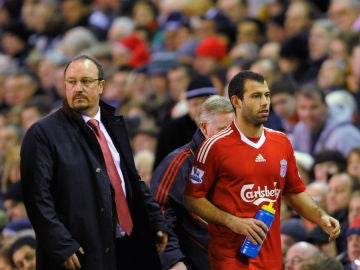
(308, 51)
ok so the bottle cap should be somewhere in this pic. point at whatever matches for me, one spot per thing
(269, 208)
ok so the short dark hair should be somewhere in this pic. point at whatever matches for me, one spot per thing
(84, 57)
(19, 243)
(311, 91)
(284, 86)
(237, 83)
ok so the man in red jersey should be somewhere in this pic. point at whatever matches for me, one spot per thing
(242, 168)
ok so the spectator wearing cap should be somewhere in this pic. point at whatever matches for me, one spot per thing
(131, 51)
(210, 53)
(161, 100)
(327, 163)
(292, 231)
(14, 202)
(179, 131)
(320, 239)
(350, 257)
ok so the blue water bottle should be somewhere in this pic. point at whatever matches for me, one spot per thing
(266, 214)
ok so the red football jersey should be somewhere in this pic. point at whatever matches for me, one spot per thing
(239, 176)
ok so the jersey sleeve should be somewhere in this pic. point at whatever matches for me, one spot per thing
(203, 172)
(293, 183)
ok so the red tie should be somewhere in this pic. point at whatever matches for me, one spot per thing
(122, 208)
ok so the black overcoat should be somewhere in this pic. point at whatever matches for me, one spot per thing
(68, 198)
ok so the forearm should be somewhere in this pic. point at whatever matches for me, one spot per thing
(304, 205)
(208, 211)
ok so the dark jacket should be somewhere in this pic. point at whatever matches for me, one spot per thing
(189, 240)
(172, 135)
(68, 196)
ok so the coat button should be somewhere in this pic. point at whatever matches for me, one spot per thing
(98, 170)
(107, 250)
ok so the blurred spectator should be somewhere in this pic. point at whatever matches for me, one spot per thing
(179, 77)
(179, 131)
(342, 44)
(4, 259)
(34, 109)
(10, 136)
(353, 162)
(326, 164)
(345, 14)
(298, 254)
(354, 206)
(47, 27)
(209, 55)
(298, 18)
(293, 56)
(76, 40)
(131, 51)
(275, 31)
(77, 13)
(20, 87)
(320, 239)
(14, 228)
(144, 163)
(175, 32)
(342, 106)
(332, 75)
(216, 22)
(22, 253)
(14, 202)
(320, 36)
(161, 100)
(144, 14)
(244, 51)
(317, 130)
(283, 102)
(250, 30)
(144, 138)
(120, 27)
(14, 42)
(322, 262)
(292, 231)
(11, 172)
(117, 91)
(234, 9)
(341, 185)
(350, 257)
(270, 50)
